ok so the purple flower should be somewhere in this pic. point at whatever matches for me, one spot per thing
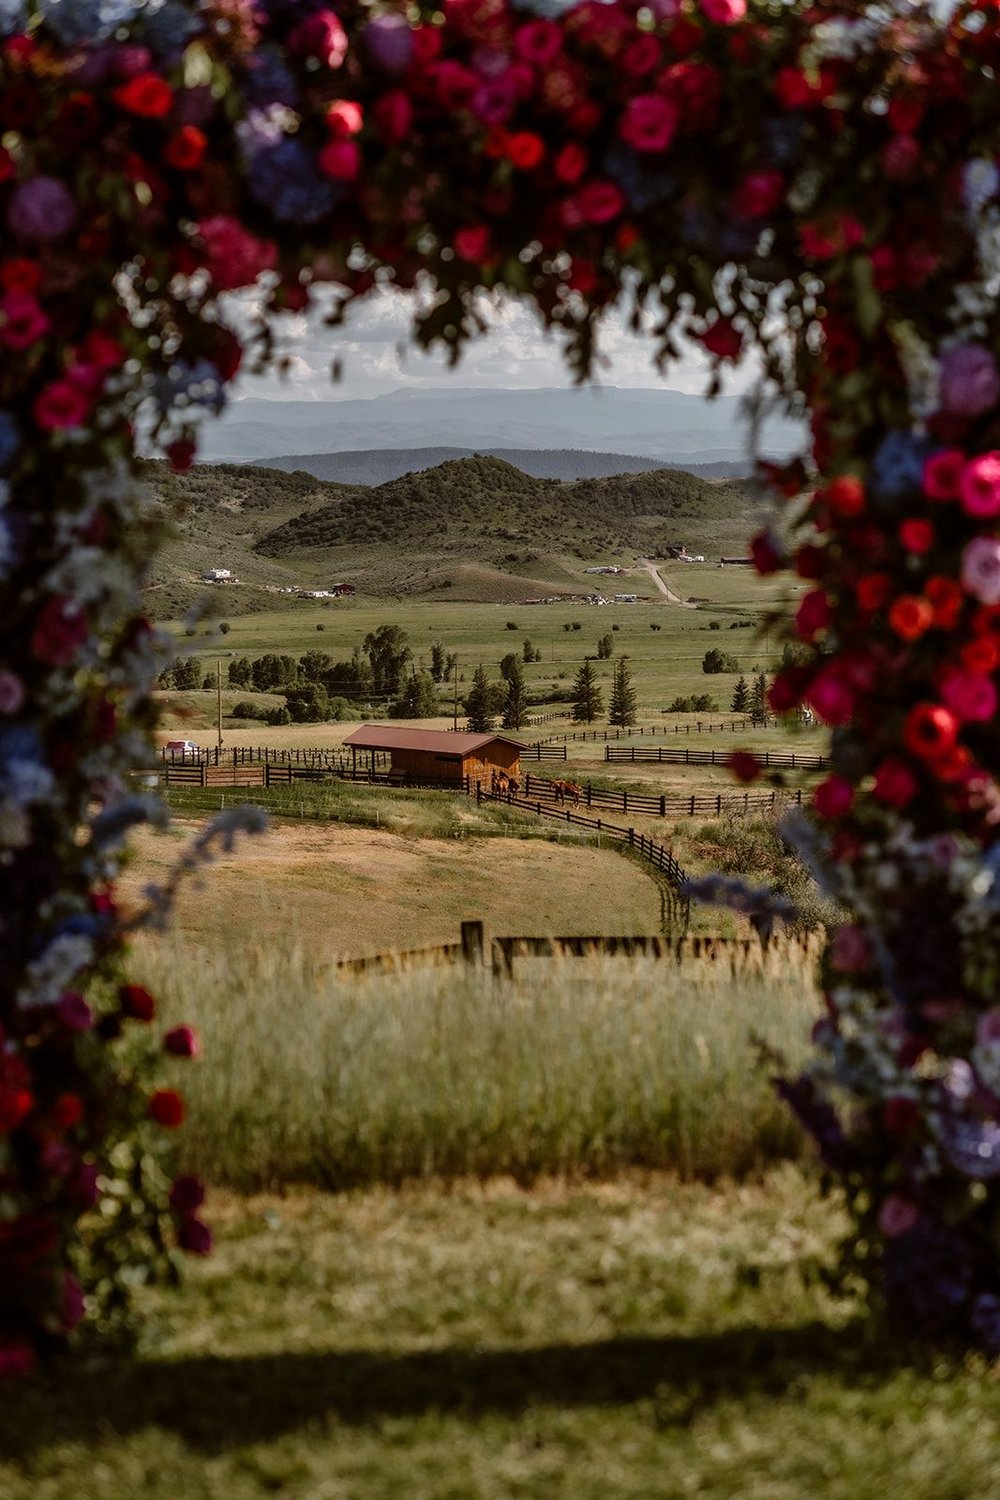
(195, 1237)
(74, 1012)
(40, 210)
(981, 569)
(970, 381)
(972, 1147)
(389, 43)
(286, 179)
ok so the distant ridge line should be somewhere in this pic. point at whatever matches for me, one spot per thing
(374, 466)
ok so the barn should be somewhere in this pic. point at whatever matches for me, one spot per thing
(436, 754)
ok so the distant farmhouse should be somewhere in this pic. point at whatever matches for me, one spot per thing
(218, 575)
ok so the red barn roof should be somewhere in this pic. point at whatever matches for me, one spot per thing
(435, 741)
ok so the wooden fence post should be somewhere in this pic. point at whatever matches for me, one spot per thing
(473, 942)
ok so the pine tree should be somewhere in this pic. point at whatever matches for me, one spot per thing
(741, 697)
(437, 661)
(588, 700)
(418, 699)
(623, 703)
(759, 710)
(515, 709)
(477, 703)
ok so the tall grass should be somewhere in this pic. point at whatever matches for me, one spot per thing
(578, 1067)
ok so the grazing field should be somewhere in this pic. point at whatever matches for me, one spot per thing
(625, 1341)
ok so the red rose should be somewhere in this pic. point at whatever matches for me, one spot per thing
(872, 590)
(195, 1237)
(895, 783)
(834, 797)
(845, 496)
(147, 95)
(930, 730)
(813, 615)
(916, 535)
(16, 1098)
(182, 1041)
(66, 1112)
(166, 1107)
(524, 149)
(759, 194)
(136, 1002)
(185, 150)
(61, 404)
(911, 616)
(472, 243)
(743, 765)
(723, 339)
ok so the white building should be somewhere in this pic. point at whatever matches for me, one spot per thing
(218, 575)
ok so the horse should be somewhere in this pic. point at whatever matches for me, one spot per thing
(564, 789)
(499, 784)
(513, 786)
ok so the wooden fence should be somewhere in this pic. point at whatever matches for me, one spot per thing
(476, 950)
(648, 731)
(676, 755)
(665, 805)
(338, 762)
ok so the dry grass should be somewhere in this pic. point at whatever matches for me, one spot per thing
(582, 1067)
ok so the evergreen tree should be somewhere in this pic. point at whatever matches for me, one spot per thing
(528, 651)
(418, 699)
(741, 697)
(588, 700)
(187, 673)
(509, 664)
(759, 710)
(515, 709)
(477, 703)
(605, 646)
(437, 661)
(623, 706)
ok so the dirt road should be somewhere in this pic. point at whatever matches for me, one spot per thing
(665, 588)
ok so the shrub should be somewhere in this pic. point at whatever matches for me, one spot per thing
(715, 661)
(224, 627)
(512, 625)
(244, 709)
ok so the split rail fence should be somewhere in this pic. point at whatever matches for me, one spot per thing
(665, 804)
(675, 755)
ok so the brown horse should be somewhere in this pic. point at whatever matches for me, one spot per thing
(564, 789)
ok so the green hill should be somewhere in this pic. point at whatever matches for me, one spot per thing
(473, 528)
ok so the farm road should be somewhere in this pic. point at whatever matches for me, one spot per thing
(665, 588)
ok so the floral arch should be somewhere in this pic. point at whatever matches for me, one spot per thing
(817, 182)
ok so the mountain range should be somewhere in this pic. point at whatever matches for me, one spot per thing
(669, 426)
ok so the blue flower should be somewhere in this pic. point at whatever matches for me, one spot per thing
(19, 742)
(10, 436)
(643, 186)
(76, 21)
(897, 470)
(167, 29)
(13, 17)
(269, 80)
(285, 178)
(972, 1147)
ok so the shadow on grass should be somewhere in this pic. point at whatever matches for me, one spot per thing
(215, 1403)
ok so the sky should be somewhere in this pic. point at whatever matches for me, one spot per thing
(516, 354)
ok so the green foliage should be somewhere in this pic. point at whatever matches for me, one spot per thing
(388, 654)
(741, 697)
(437, 661)
(715, 661)
(760, 711)
(308, 704)
(605, 647)
(588, 700)
(512, 625)
(515, 709)
(479, 703)
(623, 706)
(697, 703)
(224, 627)
(419, 699)
(245, 708)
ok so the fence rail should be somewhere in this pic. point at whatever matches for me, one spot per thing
(475, 950)
(675, 755)
(722, 726)
(665, 805)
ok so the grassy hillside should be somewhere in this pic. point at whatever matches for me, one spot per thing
(475, 529)
(215, 515)
(372, 466)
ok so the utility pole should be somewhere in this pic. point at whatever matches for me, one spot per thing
(218, 702)
(455, 675)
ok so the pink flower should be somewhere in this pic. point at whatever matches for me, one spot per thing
(538, 42)
(233, 256)
(40, 210)
(341, 160)
(22, 321)
(472, 243)
(61, 404)
(813, 614)
(724, 12)
(344, 117)
(320, 36)
(649, 122)
(831, 697)
(895, 783)
(897, 1215)
(981, 569)
(971, 696)
(11, 691)
(759, 194)
(834, 797)
(74, 1012)
(969, 381)
(979, 486)
(595, 203)
(393, 116)
(943, 474)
